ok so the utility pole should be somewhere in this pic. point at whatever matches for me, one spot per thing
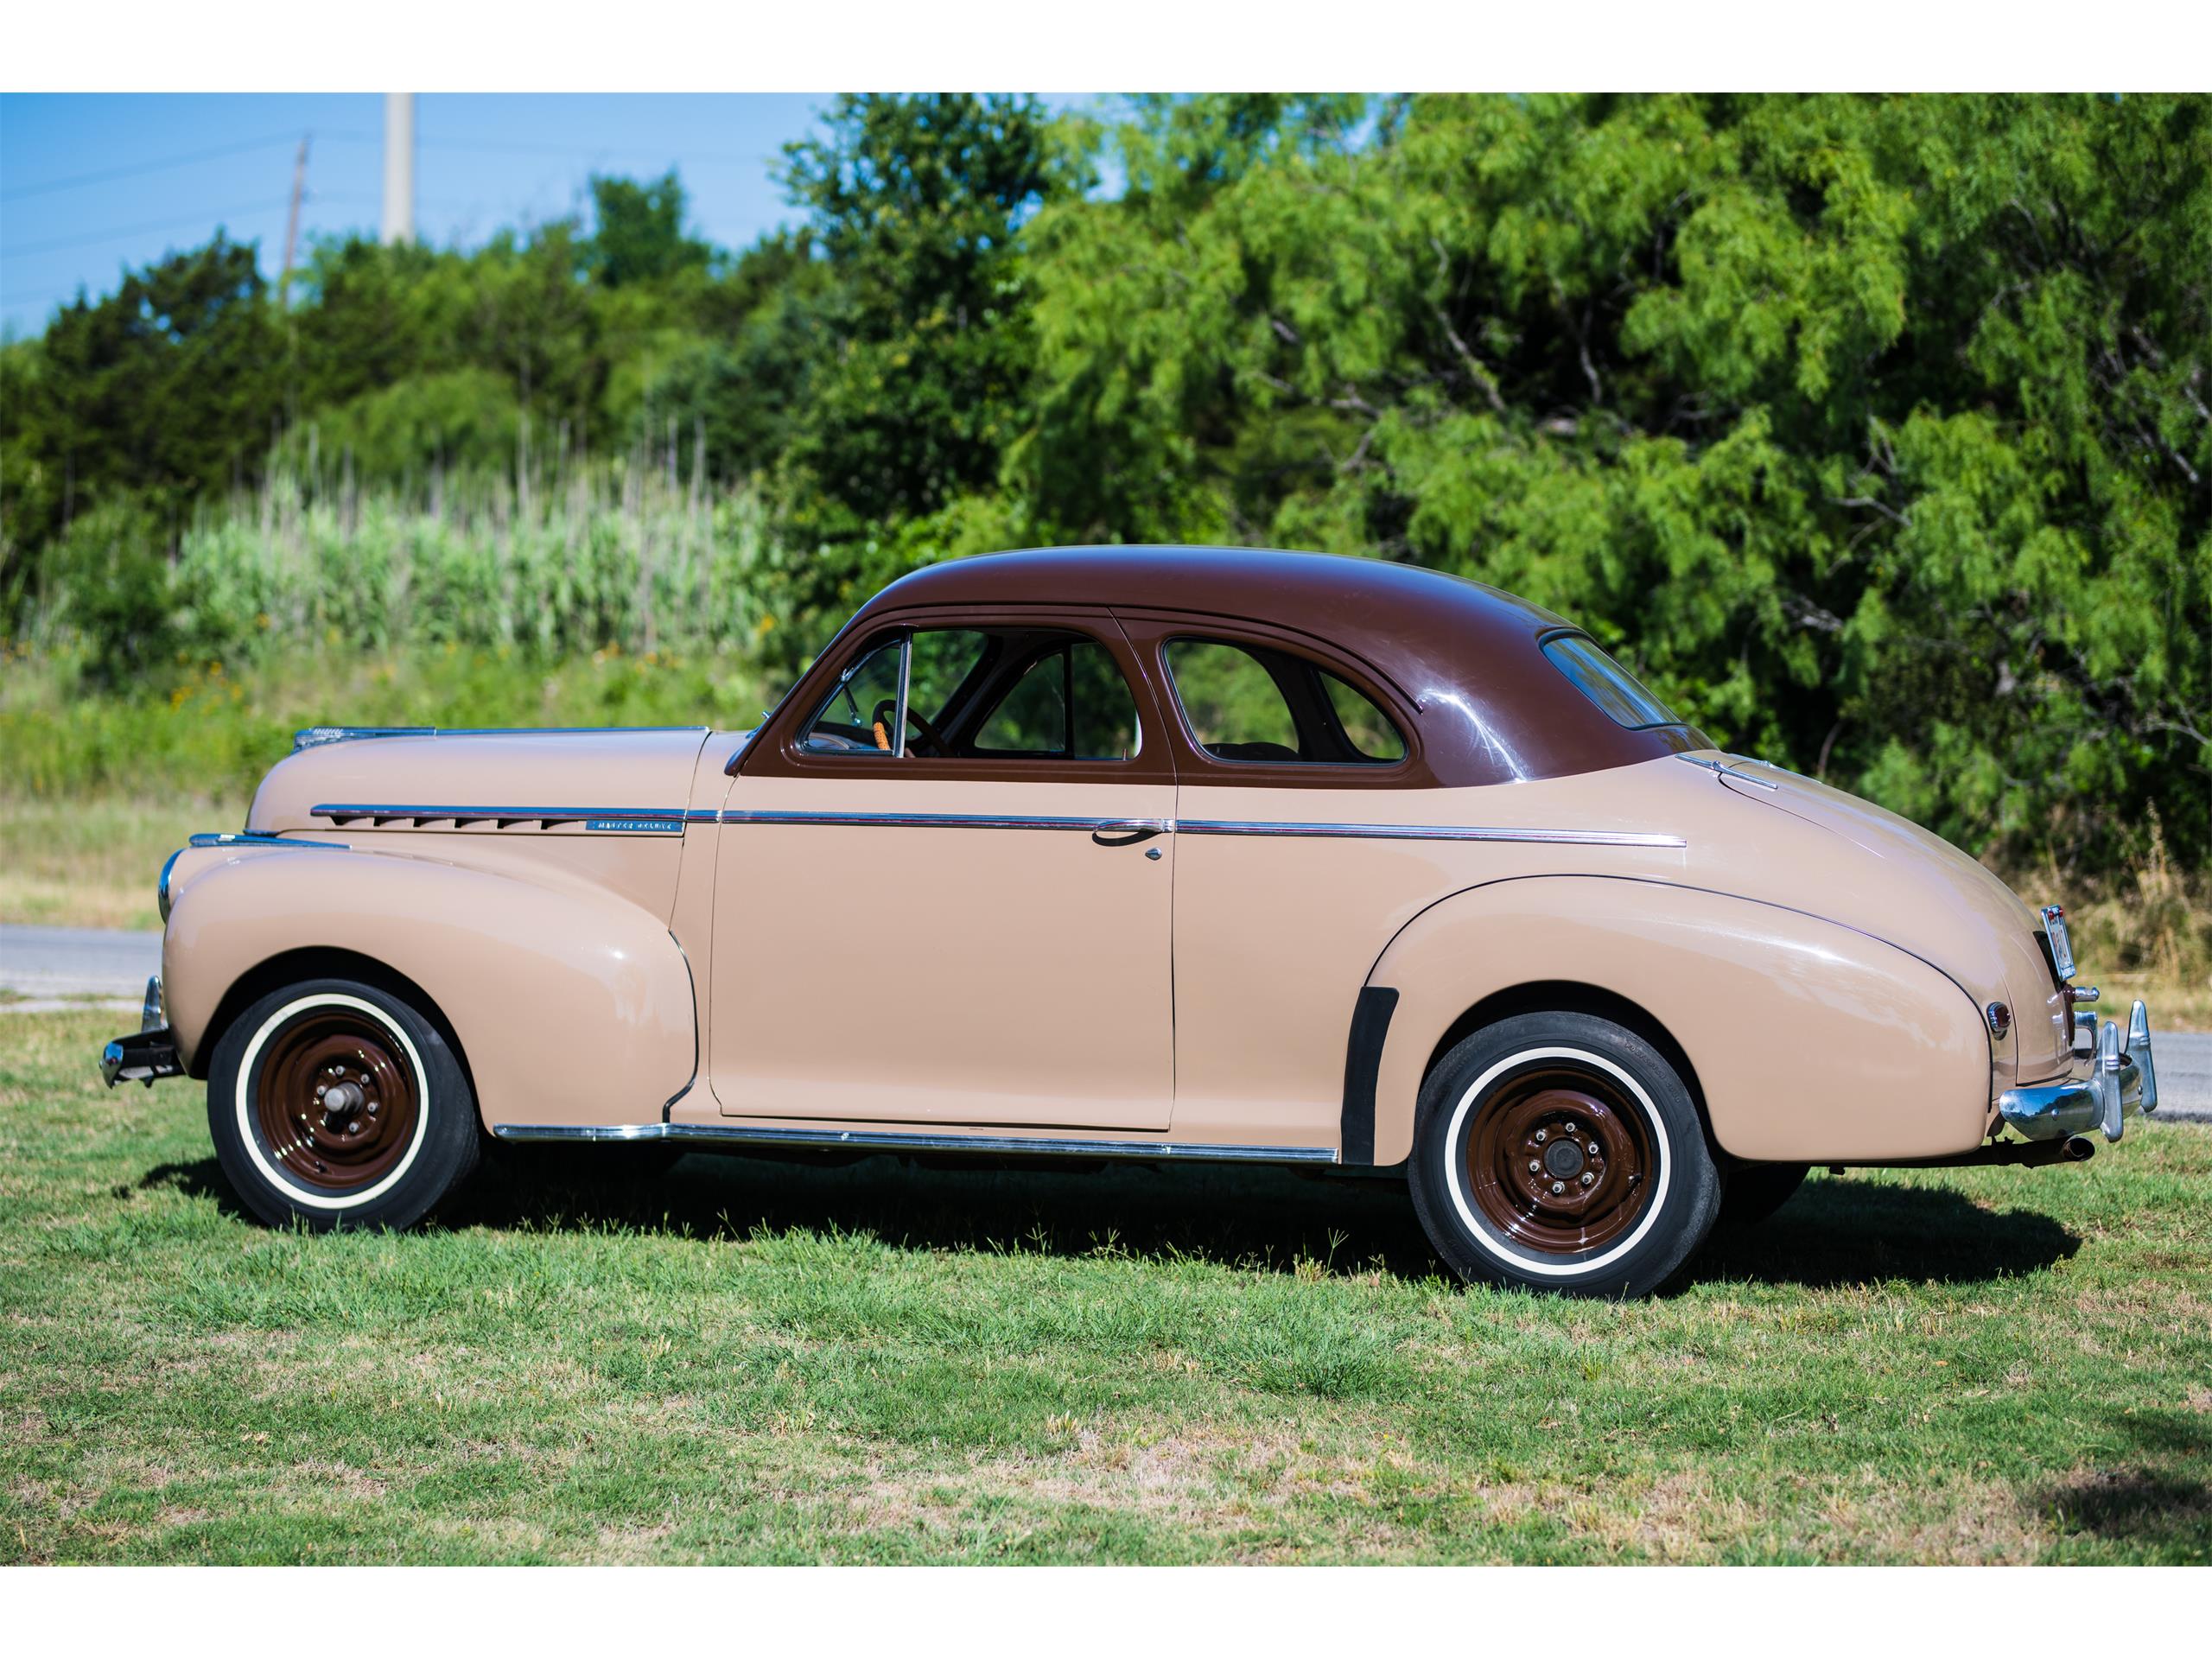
(398, 167)
(292, 223)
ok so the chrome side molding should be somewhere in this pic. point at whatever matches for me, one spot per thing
(311, 737)
(375, 813)
(1423, 832)
(227, 838)
(767, 1135)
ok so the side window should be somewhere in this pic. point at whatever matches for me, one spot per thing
(1606, 683)
(1010, 693)
(1236, 709)
(1255, 703)
(1366, 730)
(1071, 703)
(859, 714)
(914, 675)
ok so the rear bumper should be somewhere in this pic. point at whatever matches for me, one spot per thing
(2110, 1084)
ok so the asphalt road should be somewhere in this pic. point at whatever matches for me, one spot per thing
(55, 967)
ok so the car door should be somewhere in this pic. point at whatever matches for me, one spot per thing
(944, 890)
(1287, 752)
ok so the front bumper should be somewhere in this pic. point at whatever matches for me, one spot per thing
(2113, 1083)
(148, 1053)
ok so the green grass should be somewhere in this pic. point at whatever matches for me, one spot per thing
(759, 1362)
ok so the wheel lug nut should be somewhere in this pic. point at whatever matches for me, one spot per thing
(1557, 1187)
(1593, 1149)
(1533, 1166)
(1571, 1131)
(1587, 1178)
(1541, 1137)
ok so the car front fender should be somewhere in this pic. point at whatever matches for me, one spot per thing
(571, 1004)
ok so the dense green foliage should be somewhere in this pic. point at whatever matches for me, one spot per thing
(1873, 433)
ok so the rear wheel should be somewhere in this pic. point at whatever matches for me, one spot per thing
(1562, 1152)
(335, 1102)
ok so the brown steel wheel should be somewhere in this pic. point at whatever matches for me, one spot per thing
(1561, 1151)
(1560, 1158)
(337, 1099)
(337, 1102)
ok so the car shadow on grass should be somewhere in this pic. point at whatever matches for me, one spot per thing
(1253, 1216)
(1852, 1232)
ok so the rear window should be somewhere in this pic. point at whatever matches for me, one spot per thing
(1606, 683)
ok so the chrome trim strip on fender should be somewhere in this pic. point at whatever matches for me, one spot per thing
(894, 1141)
(657, 816)
(225, 838)
(312, 737)
(1426, 832)
(1732, 769)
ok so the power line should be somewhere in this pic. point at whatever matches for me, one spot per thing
(264, 205)
(132, 169)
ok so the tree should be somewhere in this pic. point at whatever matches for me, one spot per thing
(1873, 430)
(640, 234)
(160, 391)
(917, 204)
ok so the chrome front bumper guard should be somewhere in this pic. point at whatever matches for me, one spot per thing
(151, 1052)
(2115, 1082)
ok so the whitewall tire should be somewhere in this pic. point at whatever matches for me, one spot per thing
(337, 1103)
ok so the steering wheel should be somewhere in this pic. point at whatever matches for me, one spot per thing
(887, 711)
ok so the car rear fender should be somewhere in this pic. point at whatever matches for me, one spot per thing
(1809, 1042)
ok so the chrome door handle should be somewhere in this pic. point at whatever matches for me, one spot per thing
(1126, 832)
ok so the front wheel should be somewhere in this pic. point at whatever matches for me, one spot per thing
(1561, 1151)
(335, 1104)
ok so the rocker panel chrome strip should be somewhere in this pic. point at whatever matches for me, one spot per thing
(896, 1140)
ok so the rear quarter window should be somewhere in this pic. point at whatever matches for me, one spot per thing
(1606, 683)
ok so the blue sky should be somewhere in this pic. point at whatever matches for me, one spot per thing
(482, 161)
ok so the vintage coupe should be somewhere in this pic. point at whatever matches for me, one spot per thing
(1147, 853)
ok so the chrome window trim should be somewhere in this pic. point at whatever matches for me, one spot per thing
(917, 1140)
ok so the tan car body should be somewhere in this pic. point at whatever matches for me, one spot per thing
(622, 930)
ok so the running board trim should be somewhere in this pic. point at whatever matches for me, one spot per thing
(895, 1140)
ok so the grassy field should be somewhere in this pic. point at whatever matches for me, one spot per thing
(753, 1361)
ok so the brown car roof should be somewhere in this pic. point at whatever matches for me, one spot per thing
(1465, 659)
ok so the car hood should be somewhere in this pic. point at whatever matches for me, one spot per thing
(428, 775)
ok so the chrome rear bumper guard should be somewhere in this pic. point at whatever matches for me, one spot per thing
(2115, 1082)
